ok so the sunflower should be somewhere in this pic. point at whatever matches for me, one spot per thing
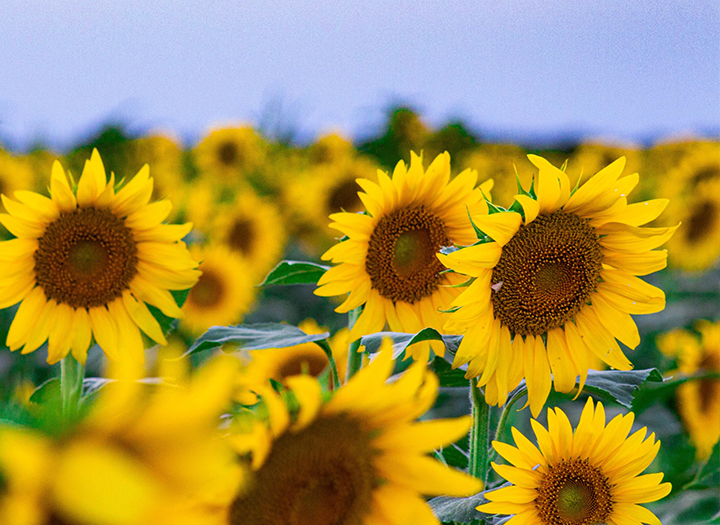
(16, 174)
(279, 364)
(555, 281)
(227, 154)
(360, 457)
(585, 477)
(142, 456)
(388, 262)
(325, 189)
(164, 153)
(698, 401)
(224, 292)
(591, 157)
(85, 263)
(329, 149)
(252, 228)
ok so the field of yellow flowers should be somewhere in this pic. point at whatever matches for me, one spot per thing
(423, 328)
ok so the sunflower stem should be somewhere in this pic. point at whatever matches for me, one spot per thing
(354, 357)
(72, 375)
(479, 433)
(331, 359)
(500, 430)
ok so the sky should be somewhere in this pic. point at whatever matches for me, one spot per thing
(525, 70)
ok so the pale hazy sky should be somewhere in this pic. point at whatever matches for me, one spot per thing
(520, 69)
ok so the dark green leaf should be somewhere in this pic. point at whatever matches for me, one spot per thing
(651, 393)
(448, 376)
(254, 337)
(453, 456)
(463, 510)
(619, 385)
(709, 474)
(169, 324)
(402, 340)
(294, 272)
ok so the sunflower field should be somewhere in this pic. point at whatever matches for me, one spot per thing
(422, 328)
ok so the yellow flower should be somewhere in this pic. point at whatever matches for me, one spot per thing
(224, 292)
(142, 456)
(85, 263)
(556, 283)
(329, 149)
(584, 477)
(360, 457)
(698, 401)
(226, 154)
(252, 228)
(16, 174)
(164, 153)
(388, 262)
(591, 157)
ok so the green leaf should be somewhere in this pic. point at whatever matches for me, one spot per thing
(294, 272)
(709, 473)
(260, 336)
(169, 324)
(619, 385)
(453, 456)
(448, 376)
(651, 393)
(46, 406)
(402, 340)
(464, 510)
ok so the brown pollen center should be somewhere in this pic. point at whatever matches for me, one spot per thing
(228, 153)
(208, 291)
(320, 475)
(573, 492)
(546, 273)
(703, 221)
(86, 258)
(242, 236)
(344, 196)
(305, 362)
(401, 259)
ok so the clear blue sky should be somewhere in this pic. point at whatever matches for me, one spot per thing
(520, 69)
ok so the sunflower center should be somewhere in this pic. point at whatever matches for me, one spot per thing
(312, 363)
(54, 519)
(208, 291)
(344, 197)
(86, 258)
(321, 475)
(228, 153)
(707, 173)
(703, 221)
(242, 236)
(574, 493)
(709, 388)
(401, 259)
(546, 273)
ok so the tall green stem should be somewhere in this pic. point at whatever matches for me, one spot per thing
(72, 375)
(354, 357)
(479, 433)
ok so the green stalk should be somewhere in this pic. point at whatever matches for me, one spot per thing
(333, 367)
(499, 431)
(72, 375)
(354, 357)
(479, 433)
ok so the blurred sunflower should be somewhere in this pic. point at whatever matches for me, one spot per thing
(591, 157)
(16, 173)
(252, 228)
(85, 263)
(696, 245)
(388, 262)
(330, 149)
(279, 364)
(164, 153)
(585, 477)
(554, 282)
(224, 292)
(142, 456)
(496, 161)
(698, 401)
(323, 190)
(359, 457)
(226, 154)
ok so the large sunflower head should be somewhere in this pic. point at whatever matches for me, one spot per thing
(554, 281)
(359, 457)
(142, 456)
(388, 261)
(583, 477)
(224, 293)
(86, 261)
(698, 401)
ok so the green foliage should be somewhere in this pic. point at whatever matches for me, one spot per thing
(402, 340)
(260, 336)
(294, 272)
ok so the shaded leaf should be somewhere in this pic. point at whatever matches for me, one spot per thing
(402, 340)
(294, 272)
(620, 385)
(258, 336)
(446, 374)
